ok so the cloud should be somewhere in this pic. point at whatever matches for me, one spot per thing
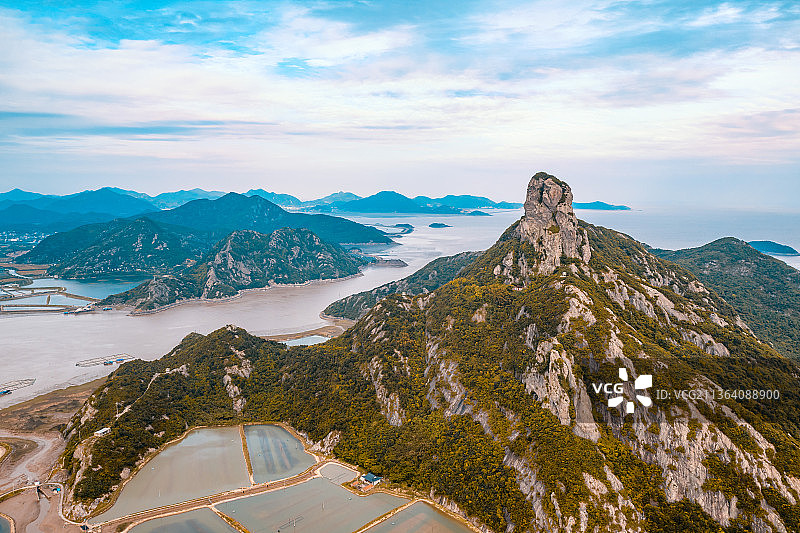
(292, 89)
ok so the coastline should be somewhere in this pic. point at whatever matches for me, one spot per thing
(236, 296)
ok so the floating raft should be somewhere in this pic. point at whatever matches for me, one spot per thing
(9, 387)
(106, 361)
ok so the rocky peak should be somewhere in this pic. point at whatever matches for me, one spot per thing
(550, 224)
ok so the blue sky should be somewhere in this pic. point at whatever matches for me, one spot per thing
(638, 102)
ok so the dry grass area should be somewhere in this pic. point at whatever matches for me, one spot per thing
(27, 269)
(334, 330)
(48, 411)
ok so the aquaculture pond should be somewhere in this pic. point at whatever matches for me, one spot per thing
(311, 507)
(419, 518)
(207, 461)
(197, 521)
(275, 453)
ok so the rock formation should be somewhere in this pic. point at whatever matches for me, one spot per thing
(550, 223)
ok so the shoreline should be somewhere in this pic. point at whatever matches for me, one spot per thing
(236, 296)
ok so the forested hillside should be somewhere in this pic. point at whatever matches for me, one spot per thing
(426, 279)
(485, 391)
(764, 290)
(246, 260)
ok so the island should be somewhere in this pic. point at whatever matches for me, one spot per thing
(773, 248)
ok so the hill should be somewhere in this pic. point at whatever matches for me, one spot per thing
(24, 218)
(465, 201)
(340, 196)
(235, 211)
(428, 278)
(166, 241)
(489, 392)
(283, 200)
(388, 202)
(246, 260)
(121, 248)
(600, 206)
(170, 200)
(24, 212)
(102, 200)
(774, 248)
(764, 290)
(18, 195)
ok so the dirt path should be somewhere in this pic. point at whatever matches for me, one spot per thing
(32, 457)
(32, 515)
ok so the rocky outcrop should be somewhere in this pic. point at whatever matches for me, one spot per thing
(550, 224)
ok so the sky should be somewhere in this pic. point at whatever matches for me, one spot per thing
(646, 103)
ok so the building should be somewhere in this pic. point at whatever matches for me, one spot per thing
(101, 432)
(370, 479)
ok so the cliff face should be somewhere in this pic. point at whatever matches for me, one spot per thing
(505, 392)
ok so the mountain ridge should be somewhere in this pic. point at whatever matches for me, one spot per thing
(488, 392)
(245, 259)
(191, 228)
(765, 290)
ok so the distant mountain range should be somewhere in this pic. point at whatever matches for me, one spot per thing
(25, 211)
(165, 242)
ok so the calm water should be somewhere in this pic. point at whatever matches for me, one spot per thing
(681, 228)
(207, 461)
(338, 473)
(311, 507)
(275, 453)
(420, 518)
(5, 527)
(91, 288)
(197, 521)
(306, 341)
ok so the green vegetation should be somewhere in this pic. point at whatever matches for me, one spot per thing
(771, 247)
(426, 279)
(246, 260)
(472, 390)
(683, 516)
(764, 291)
(165, 242)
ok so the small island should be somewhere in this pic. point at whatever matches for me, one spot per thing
(600, 206)
(773, 248)
(439, 225)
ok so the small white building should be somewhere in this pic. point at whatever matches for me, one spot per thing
(101, 432)
(370, 479)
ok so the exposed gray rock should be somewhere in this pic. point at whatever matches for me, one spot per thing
(550, 223)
